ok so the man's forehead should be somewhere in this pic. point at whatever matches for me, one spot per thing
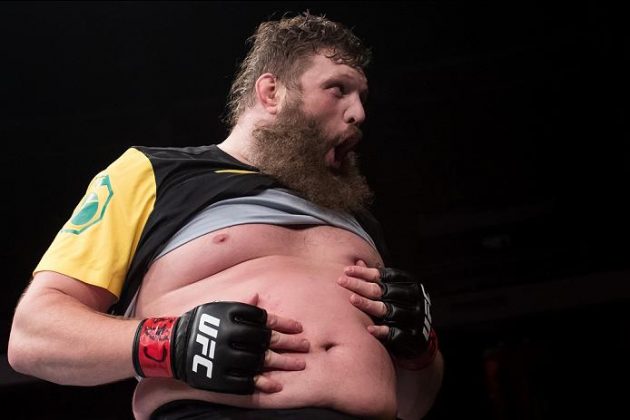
(352, 76)
(322, 68)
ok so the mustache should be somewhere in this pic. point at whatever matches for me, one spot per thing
(353, 134)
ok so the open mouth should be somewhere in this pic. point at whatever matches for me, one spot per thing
(336, 155)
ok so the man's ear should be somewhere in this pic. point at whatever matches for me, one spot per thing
(269, 92)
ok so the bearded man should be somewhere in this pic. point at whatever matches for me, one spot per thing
(245, 279)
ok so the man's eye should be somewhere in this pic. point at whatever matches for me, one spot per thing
(339, 90)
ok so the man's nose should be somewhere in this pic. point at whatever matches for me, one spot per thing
(355, 113)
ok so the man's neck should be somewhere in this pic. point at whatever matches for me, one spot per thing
(237, 144)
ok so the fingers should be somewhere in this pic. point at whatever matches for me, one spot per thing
(374, 308)
(252, 300)
(286, 342)
(282, 324)
(379, 331)
(360, 263)
(364, 273)
(282, 334)
(365, 283)
(277, 361)
(282, 338)
(361, 287)
(267, 385)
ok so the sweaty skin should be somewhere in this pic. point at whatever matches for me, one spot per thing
(293, 271)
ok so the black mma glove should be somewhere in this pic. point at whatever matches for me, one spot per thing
(218, 346)
(411, 336)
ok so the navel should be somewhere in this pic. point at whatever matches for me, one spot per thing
(327, 346)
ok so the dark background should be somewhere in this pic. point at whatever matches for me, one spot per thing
(495, 143)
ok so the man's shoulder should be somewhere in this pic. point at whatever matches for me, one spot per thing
(189, 152)
(190, 157)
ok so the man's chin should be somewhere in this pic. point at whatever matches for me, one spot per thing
(340, 188)
(295, 152)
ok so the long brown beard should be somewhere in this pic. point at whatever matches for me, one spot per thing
(292, 150)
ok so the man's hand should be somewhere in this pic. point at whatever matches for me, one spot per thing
(284, 338)
(219, 346)
(400, 308)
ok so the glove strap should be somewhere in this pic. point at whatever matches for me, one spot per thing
(152, 348)
(425, 358)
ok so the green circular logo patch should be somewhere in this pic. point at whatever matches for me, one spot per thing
(92, 207)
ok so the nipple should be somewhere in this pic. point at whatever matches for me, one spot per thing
(221, 237)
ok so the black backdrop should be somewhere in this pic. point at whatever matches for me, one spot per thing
(495, 144)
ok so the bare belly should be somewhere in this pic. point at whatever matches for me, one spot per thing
(347, 369)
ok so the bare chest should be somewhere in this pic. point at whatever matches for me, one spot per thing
(228, 248)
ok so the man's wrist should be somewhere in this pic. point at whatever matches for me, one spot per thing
(425, 359)
(153, 347)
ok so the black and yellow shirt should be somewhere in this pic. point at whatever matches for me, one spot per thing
(132, 208)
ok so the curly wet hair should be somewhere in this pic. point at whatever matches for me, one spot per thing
(283, 47)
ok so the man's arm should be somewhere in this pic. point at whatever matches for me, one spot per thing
(60, 333)
(416, 390)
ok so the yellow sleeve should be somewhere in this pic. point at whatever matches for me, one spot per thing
(99, 241)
